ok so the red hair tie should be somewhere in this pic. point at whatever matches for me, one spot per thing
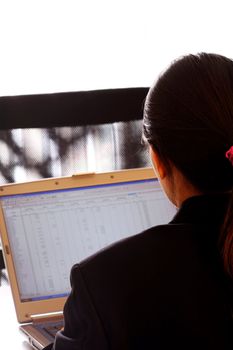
(229, 155)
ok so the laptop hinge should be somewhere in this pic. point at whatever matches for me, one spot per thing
(54, 316)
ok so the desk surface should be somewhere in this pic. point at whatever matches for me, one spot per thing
(11, 337)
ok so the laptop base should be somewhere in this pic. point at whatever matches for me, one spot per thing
(43, 333)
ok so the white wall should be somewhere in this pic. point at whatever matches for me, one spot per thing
(68, 45)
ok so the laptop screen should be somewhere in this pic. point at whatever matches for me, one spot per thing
(51, 231)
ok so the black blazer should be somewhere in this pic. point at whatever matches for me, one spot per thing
(162, 289)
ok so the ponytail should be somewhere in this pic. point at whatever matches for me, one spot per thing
(226, 239)
(226, 236)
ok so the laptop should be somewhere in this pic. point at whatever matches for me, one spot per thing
(49, 225)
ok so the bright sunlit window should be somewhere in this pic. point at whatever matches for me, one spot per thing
(70, 45)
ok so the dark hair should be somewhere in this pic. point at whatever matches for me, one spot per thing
(188, 121)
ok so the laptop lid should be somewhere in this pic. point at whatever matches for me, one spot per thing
(48, 225)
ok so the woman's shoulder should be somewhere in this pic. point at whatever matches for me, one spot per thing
(152, 244)
(164, 260)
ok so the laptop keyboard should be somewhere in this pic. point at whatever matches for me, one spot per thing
(50, 328)
(53, 329)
